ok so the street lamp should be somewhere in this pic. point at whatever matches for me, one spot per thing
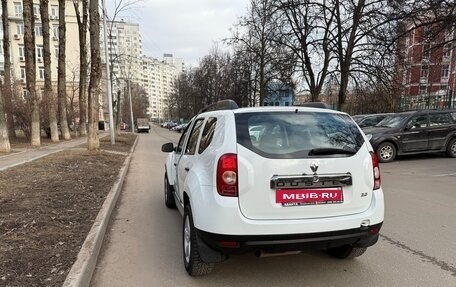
(108, 77)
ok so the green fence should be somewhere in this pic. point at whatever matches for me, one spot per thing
(424, 102)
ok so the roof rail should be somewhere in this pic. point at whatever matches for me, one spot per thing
(220, 105)
(320, 105)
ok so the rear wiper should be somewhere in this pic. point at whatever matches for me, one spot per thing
(329, 151)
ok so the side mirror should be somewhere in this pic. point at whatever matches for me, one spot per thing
(409, 126)
(168, 147)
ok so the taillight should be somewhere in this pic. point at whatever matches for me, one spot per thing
(227, 175)
(376, 168)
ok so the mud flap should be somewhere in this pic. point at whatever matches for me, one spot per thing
(208, 254)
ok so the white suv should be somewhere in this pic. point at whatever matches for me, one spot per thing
(272, 180)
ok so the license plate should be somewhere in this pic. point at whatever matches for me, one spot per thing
(311, 196)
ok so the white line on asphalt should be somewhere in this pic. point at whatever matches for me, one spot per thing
(445, 174)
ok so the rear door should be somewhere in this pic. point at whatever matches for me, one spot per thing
(440, 126)
(304, 165)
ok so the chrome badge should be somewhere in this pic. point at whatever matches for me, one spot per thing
(314, 166)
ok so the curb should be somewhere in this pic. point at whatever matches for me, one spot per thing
(81, 272)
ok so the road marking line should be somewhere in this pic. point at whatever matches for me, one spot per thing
(445, 174)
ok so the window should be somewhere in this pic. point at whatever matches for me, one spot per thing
(41, 73)
(445, 71)
(55, 31)
(447, 50)
(208, 134)
(295, 135)
(36, 10)
(21, 51)
(55, 11)
(20, 28)
(56, 51)
(23, 73)
(423, 89)
(426, 50)
(443, 87)
(424, 72)
(449, 33)
(18, 9)
(439, 119)
(38, 30)
(39, 51)
(418, 122)
(193, 139)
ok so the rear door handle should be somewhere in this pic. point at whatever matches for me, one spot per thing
(175, 164)
(187, 169)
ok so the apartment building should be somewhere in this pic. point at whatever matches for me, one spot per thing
(426, 68)
(159, 78)
(124, 51)
(16, 34)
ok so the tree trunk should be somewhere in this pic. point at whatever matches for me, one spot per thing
(4, 140)
(93, 140)
(62, 95)
(82, 28)
(48, 90)
(30, 71)
(7, 91)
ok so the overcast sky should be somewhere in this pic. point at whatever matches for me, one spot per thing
(186, 28)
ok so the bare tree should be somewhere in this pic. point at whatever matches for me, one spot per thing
(120, 6)
(257, 33)
(61, 71)
(48, 90)
(93, 140)
(83, 63)
(30, 71)
(306, 29)
(7, 91)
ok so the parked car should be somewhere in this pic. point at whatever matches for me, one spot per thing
(369, 120)
(414, 132)
(272, 180)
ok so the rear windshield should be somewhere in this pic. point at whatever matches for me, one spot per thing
(298, 134)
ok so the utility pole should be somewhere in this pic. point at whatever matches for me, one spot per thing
(108, 78)
(131, 107)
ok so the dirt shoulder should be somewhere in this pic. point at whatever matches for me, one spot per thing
(47, 208)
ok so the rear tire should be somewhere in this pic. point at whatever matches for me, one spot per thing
(194, 265)
(346, 251)
(386, 152)
(169, 196)
(451, 148)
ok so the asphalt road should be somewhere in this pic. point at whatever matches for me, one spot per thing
(417, 245)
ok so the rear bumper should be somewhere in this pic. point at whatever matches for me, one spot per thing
(240, 244)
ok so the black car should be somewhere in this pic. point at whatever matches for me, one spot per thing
(369, 120)
(414, 132)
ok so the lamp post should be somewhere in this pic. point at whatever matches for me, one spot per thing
(131, 107)
(108, 78)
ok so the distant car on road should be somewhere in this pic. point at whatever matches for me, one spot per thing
(414, 132)
(369, 120)
(142, 125)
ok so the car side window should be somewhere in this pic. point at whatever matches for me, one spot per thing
(418, 122)
(208, 134)
(193, 139)
(439, 119)
(453, 115)
(182, 140)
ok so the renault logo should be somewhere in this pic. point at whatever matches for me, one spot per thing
(314, 166)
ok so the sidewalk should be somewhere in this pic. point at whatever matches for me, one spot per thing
(17, 158)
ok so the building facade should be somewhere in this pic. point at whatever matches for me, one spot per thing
(426, 68)
(17, 51)
(278, 94)
(159, 78)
